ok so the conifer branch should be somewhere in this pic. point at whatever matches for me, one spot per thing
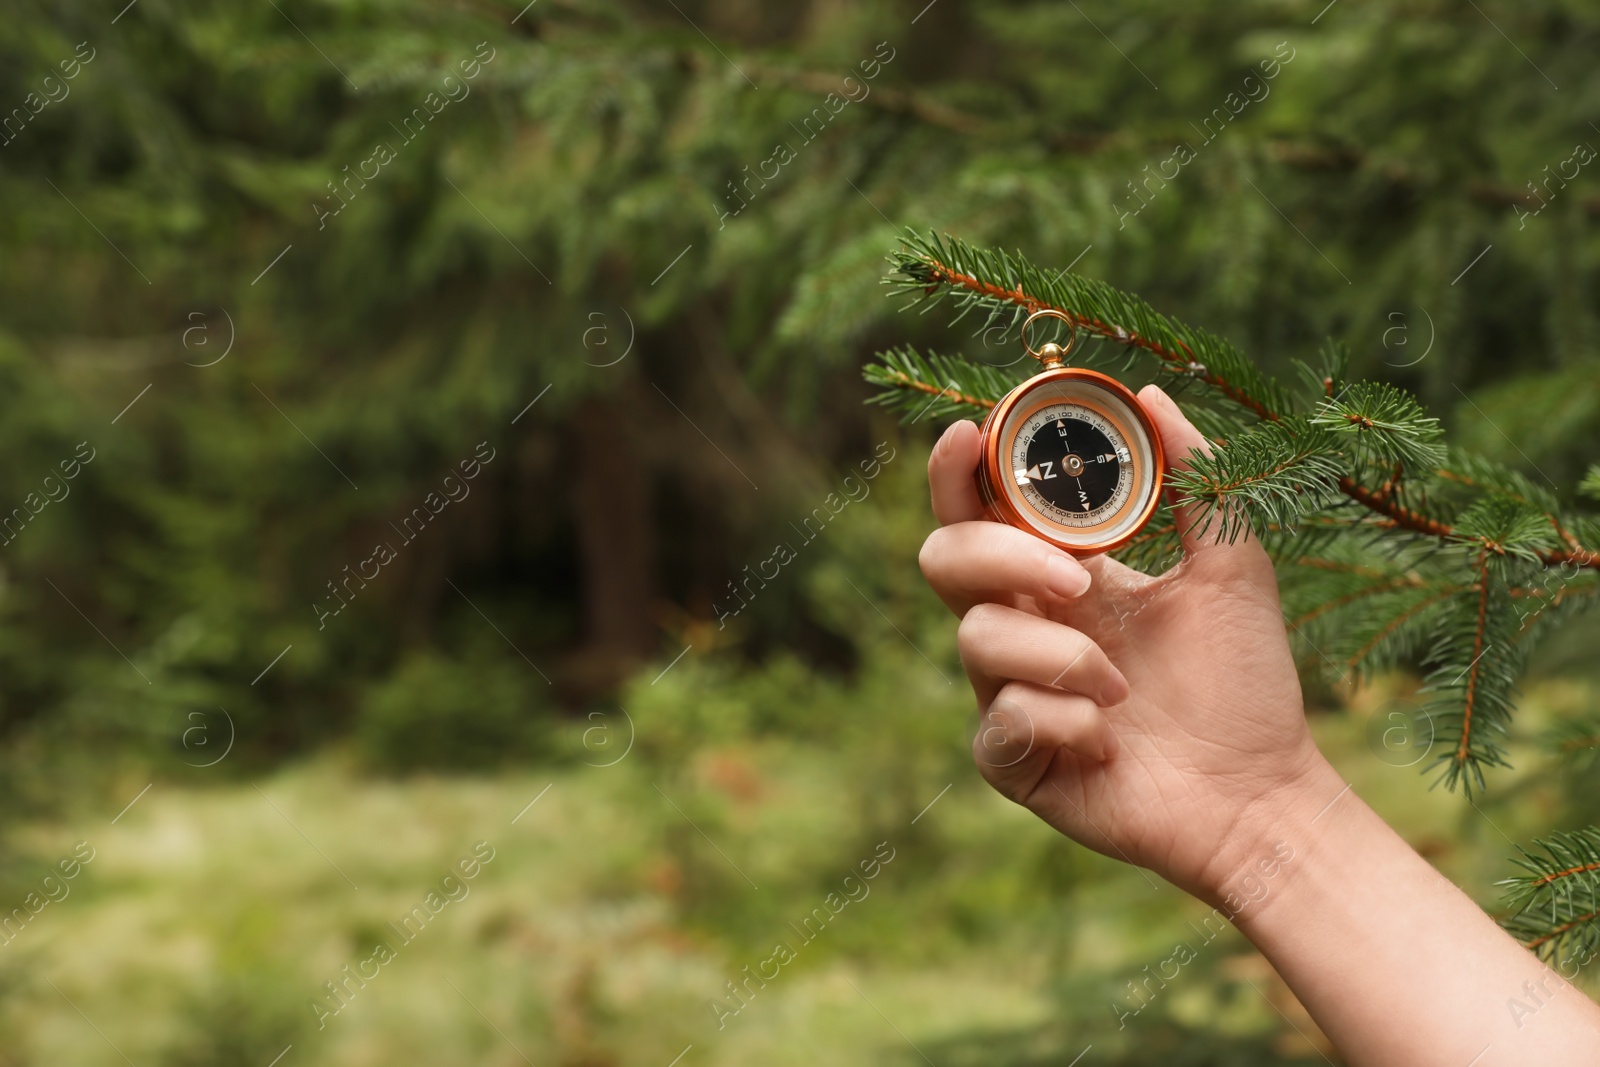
(1576, 741)
(911, 379)
(1272, 474)
(1398, 514)
(1590, 486)
(1344, 568)
(1364, 654)
(1008, 286)
(1386, 427)
(1557, 896)
(1465, 745)
(1366, 426)
(1477, 655)
(1388, 585)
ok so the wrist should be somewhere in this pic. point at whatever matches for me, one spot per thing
(1269, 833)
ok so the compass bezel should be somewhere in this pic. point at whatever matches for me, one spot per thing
(994, 464)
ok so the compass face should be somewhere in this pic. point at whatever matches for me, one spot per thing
(1072, 464)
(1071, 456)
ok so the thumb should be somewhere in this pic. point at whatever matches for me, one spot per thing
(1179, 438)
(951, 471)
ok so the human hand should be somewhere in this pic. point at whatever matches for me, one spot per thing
(1156, 720)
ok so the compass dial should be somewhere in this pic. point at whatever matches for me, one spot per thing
(1071, 456)
(1072, 464)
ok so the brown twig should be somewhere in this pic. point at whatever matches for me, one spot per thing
(1581, 869)
(1563, 928)
(908, 382)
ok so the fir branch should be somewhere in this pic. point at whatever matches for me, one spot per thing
(1340, 566)
(1555, 592)
(1477, 660)
(1382, 426)
(1320, 535)
(1362, 609)
(1003, 284)
(1417, 521)
(1590, 486)
(1401, 516)
(1575, 741)
(1331, 370)
(1557, 896)
(1275, 473)
(1387, 426)
(1363, 592)
(1464, 746)
(1505, 527)
(1484, 475)
(1389, 641)
(935, 384)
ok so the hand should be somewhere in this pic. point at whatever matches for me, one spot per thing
(1156, 720)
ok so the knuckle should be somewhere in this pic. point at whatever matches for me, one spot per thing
(1087, 665)
(994, 769)
(991, 615)
(1077, 651)
(1016, 695)
(978, 625)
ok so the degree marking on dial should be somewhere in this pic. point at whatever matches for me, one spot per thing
(1075, 505)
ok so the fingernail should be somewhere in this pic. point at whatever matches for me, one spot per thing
(1066, 577)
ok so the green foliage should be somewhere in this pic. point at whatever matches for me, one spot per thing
(934, 386)
(1387, 427)
(1005, 287)
(1557, 899)
(451, 714)
(1590, 486)
(235, 1019)
(1355, 613)
(1577, 741)
(1271, 475)
(1472, 685)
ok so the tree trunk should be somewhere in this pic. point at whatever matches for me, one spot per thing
(614, 514)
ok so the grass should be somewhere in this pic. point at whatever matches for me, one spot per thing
(618, 906)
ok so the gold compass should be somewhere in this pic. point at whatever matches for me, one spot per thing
(1070, 455)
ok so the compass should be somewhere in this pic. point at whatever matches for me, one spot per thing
(1070, 455)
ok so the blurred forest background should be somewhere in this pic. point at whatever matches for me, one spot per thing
(590, 282)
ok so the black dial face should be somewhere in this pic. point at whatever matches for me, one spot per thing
(1072, 464)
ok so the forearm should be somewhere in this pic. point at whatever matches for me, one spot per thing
(1395, 963)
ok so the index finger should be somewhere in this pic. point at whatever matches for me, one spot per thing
(952, 470)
